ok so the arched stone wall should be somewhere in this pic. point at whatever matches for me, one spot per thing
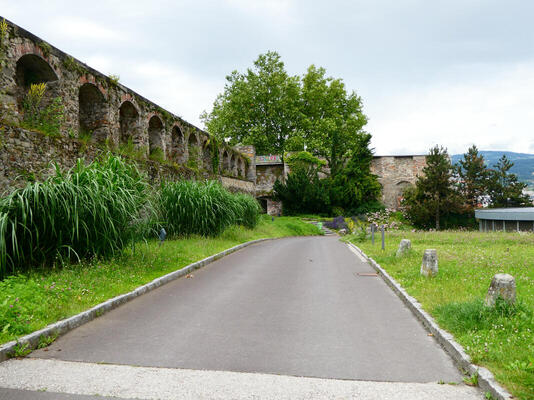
(156, 133)
(129, 123)
(177, 151)
(92, 112)
(31, 69)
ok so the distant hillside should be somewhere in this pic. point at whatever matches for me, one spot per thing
(523, 163)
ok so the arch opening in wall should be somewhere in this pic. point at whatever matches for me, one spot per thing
(155, 136)
(31, 69)
(129, 123)
(192, 147)
(177, 144)
(226, 162)
(400, 187)
(206, 155)
(92, 112)
(240, 165)
(233, 164)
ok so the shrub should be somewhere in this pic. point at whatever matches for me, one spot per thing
(47, 119)
(250, 213)
(88, 211)
(203, 208)
(302, 193)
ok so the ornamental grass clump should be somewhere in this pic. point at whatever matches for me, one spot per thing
(202, 208)
(92, 210)
(251, 209)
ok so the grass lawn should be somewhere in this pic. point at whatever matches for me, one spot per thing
(33, 301)
(500, 339)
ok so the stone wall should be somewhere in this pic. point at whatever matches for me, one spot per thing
(266, 176)
(101, 108)
(395, 173)
(28, 156)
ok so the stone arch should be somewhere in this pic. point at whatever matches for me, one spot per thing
(192, 147)
(400, 187)
(206, 154)
(240, 165)
(177, 151)
(155, 135)
(30, 69)
(129, 123)
(92, 112)
(225, 161)
(233, 165)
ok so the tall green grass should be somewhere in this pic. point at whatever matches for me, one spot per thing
(95, 210)
(204, 208)
(88, 211)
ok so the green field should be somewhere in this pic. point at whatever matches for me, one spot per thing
(500, 339)
(32, 301)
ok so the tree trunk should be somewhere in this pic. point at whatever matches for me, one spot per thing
(437, 215)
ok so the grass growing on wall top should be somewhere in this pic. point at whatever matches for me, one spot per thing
(32, 301)
(501, 339)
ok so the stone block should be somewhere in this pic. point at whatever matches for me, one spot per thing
(429, 266)
(503, 286)
(404, 247)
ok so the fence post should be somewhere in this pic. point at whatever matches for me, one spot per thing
(373, 233)
(383, 238)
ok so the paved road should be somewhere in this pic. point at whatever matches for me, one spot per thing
(295, 307)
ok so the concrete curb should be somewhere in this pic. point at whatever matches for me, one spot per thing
(486, 380)
(61, 327)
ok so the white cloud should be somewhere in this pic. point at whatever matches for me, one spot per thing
(77, 28)
(278, 9)
(494, 113)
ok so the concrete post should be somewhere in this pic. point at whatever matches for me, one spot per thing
(502, 286)
(405, 246)
(429, 266)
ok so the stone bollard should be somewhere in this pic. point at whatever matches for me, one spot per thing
(429, 267)
(404, 247)
(503, 286)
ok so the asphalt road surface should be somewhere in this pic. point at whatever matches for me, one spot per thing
(296, 307)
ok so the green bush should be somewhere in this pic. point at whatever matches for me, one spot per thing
(203, 208)
(251, 210)
(88, 211)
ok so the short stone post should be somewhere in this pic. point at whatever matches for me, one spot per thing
(503, 286)
(429, 267)
(404, 247)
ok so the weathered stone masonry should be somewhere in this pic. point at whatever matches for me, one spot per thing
(98, 106)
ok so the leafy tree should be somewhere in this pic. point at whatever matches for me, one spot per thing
(434, 195)
(332, 120)
(503, 187)
(259, 107)
(277, 112)
(355, 188)
(473, 176)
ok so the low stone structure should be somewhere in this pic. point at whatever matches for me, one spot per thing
(502, 286)
(405, 246)
(429, 266)
(506, 219)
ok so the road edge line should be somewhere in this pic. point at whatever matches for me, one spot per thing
(59, 328)
(486, 380)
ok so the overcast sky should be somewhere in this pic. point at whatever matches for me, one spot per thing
(454, 72)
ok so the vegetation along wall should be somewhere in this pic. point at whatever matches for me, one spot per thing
(93, 111)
